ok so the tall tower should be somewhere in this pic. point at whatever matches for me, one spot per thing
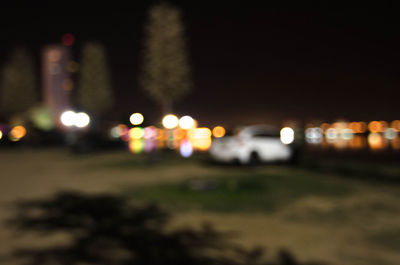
(56, 80)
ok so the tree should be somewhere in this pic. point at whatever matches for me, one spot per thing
(18, 84)
(94, 91)
(166, 73)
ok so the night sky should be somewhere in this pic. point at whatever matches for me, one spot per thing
(250, 63)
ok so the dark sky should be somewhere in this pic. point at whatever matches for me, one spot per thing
(250, 63)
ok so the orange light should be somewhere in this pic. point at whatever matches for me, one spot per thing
(376, 141)
(357, 142)
(396, 143)
(358, 127)
(384, 125)
(395, 125)
(374, 127)
(178, 134)
(200, 133)
(362, 127)
(201, 144)
(218, 132)
(18, 132)
(324, 126)
(162, 135)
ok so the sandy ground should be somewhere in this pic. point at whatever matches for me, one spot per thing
(26, 174)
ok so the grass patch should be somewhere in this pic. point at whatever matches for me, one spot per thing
(366, 170)
(149, 161)
(244, 192)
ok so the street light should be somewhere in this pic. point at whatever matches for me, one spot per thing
(170, 121)
(136, 118)
(186, 122)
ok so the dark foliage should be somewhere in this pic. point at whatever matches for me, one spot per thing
(107, 230)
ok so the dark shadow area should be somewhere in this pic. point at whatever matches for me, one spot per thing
(106, 229)
(376, 172)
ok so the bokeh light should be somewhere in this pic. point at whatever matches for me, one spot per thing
(170, 121)
(136, 146)
(396, 143)
(390, 133)
(178, 134)
(376, 141)
(41, 118)
(136, 118)
(218, 131)
(82, 120)
(68, 39)
(331, 133)
(118, 131)
(287, 135)
(186, 149)
(150, 132)
(357, 142)
(68, 118)
(346, 134)
(395, 125)
(314, 135)
(186, 122)
(199, 133)
(201, 144)
(374, 127)
(17, 133)
(136, 133)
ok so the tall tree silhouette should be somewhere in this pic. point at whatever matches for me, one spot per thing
(18, 84)
(165, 71)
(94, 90)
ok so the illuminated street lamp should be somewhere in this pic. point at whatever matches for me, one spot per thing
(136, 118)
(287, 135)
(82, 120)
(170, 121)
(186, 122)
(68, 118)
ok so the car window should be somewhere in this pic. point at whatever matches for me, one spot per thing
(266, 134)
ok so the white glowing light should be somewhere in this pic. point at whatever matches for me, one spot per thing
(170, 121)
(82, 120)
(287, 135)
(314, 133)
(186, 122)
(389, 133)
(347, 134)
(331, 133)
(115, 132)
(68, 118)
(136, 118)
(186, 149)
(1, 134)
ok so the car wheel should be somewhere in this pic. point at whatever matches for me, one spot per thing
(254, 159)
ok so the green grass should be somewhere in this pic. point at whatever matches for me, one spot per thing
(367, 170)
(149, 161)
(248, 191)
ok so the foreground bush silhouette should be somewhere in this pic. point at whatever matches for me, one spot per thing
(107, 230)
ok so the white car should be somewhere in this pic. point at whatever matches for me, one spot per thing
(252, 144)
